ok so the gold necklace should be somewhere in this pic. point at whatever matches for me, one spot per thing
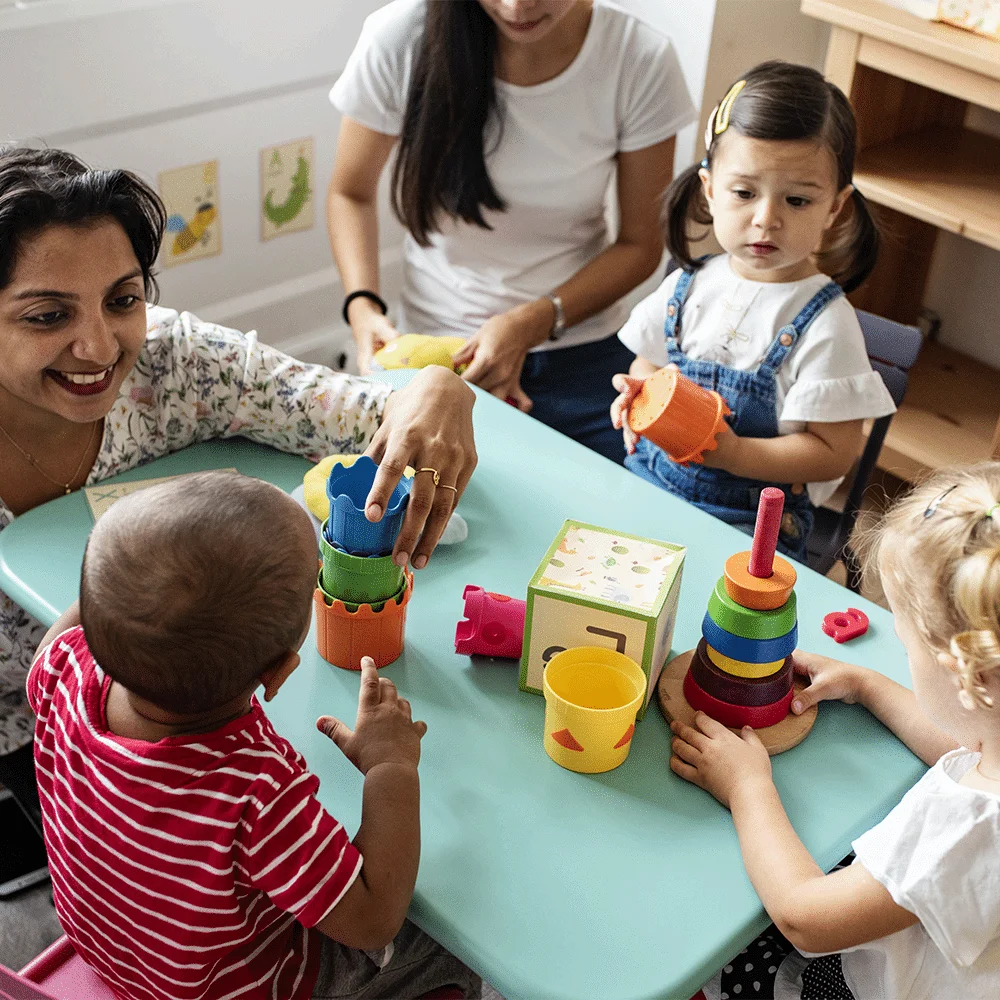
(68, 487)
(734, 331)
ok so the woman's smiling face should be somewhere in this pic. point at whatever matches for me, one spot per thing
(72, 321)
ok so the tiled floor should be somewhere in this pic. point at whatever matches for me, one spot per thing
(28, 925)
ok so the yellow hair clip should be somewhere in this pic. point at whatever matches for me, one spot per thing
(726, 107)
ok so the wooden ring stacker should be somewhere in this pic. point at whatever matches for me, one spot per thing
(788, 733)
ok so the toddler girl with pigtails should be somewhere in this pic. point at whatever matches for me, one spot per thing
(762, 323)
(917, 915)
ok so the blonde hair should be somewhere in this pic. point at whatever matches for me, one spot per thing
(939, 548)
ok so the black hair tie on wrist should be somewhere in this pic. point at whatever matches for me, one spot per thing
(363, 293)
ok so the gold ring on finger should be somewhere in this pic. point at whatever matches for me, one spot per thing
(454, 489)
(434, 472)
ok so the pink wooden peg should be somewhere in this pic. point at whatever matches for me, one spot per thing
(765, 532)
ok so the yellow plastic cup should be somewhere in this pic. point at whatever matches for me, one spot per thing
(591, 699)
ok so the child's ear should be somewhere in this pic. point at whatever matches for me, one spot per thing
(705, 177)
(838, 204)
(274, 676)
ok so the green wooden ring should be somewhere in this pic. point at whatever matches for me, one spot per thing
(746, 622)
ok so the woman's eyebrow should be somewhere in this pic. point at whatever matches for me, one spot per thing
(52, 293)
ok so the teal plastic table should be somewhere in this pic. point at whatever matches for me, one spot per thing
(552, 884)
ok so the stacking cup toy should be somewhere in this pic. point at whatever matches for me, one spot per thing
(493, 625)
(347, 526)
(678, 415)
(347, 632)
(358, 579)
(592, 696)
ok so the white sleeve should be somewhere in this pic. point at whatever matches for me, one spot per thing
(373, 86)
(833, 378)
(654, 103)
(935, 854)
(643, 333)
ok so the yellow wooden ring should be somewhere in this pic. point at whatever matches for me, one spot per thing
(739, 668)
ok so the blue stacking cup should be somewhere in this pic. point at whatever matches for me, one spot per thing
(347, 526)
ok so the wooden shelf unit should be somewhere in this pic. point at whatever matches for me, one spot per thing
(911, 83)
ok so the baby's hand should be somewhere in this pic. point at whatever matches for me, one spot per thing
(628, 387)
(716, 759)
(384, 733)
(829, 680)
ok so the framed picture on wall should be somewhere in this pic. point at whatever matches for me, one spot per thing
(194, 227)
(286, 188)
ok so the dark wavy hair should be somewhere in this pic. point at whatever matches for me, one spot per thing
(50, 187)
(440, 166)
(782, 101)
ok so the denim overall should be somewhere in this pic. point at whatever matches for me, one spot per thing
(751, 396)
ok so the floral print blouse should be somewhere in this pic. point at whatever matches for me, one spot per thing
(195, 381)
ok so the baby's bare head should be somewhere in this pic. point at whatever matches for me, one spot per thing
(192, 588)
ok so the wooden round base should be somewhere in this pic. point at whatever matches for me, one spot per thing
(788, 733)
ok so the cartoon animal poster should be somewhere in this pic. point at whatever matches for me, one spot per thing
(286, 189)
(194, 229)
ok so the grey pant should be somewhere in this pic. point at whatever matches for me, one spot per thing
(414, 964)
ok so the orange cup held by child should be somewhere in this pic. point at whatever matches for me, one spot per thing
(678, 415)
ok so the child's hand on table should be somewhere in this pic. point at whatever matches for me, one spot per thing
(718, 760)
(384, 732)
(829, 680)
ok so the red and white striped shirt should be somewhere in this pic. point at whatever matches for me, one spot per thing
(189, 868)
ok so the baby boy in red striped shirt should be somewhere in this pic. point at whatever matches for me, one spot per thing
(189, 853)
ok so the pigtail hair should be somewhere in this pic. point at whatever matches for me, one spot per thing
(684, 204)
(854, 251)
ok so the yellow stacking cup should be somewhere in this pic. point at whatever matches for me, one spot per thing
(591, 699)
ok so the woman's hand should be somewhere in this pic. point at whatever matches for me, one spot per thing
(495, 353)
(717, 759)
(372, 331)
(427, 425)
(829, 680)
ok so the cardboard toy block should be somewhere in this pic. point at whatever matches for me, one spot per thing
(599, 587)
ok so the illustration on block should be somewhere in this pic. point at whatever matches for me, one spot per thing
(286, 195)
(194, 229)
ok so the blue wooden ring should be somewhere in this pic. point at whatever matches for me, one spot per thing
(748, 650)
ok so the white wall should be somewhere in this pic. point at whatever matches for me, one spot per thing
(156, 84)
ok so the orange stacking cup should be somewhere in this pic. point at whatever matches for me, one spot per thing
(344, 636)
(678, 415)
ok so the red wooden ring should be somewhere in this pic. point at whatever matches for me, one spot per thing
(752, 692)
(735, 716)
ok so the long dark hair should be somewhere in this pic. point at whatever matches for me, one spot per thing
(48, 187)
(441, 162)
(782, 101)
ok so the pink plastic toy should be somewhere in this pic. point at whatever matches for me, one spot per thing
(493, 625)
(844, 625)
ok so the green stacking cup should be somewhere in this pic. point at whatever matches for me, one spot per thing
(359, 579)
(352, 606)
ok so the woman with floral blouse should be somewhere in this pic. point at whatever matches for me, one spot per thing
(94, 381)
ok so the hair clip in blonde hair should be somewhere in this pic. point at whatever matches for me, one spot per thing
(992, 510)
(932, 507)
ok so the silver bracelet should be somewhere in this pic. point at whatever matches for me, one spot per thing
(559, 323)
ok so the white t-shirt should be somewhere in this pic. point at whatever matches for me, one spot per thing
(623, 92)
(937, 853)
(827, 377)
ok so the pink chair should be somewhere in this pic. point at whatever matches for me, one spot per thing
(66, 976)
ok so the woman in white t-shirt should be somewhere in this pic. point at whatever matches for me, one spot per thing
(917, 915)
(761, 323)
(510, 118)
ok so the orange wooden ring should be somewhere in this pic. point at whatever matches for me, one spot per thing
(759, 593)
